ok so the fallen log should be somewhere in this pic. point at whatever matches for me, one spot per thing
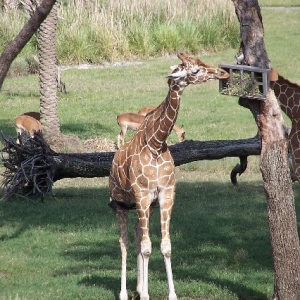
(33, 166)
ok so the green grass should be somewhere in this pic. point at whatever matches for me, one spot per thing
(280, 3)
(94, 93)
(67, 248)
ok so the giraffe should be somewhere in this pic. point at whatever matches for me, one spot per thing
(288, 94)
(143, 174)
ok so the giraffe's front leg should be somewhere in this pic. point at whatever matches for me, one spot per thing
(166, 205)
(122, 217)
(140, 260)
(144, 247)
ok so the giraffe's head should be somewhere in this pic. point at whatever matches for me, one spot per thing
(193, 70)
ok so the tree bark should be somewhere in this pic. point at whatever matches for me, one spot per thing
(274, 164)
(15, 47)
(47, 76)
(285, 242)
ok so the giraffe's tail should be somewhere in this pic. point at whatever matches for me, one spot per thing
(113, 204)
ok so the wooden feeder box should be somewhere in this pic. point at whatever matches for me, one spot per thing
(245, 81)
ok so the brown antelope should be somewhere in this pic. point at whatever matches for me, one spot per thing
(127, 121)
(133, 121)
(28, 122)
(145, 110)
(33, 114)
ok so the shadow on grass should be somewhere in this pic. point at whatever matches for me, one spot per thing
(84, 130)
(7, 127)
(214, 226)
(109, 283)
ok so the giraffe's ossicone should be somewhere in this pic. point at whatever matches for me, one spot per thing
(143, 173)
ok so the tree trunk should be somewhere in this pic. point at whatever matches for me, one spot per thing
(281, 208)
(98, 164)
(274, 164)
(15, 47)
(47, 76)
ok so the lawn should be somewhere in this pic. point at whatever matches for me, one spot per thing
(67, 247)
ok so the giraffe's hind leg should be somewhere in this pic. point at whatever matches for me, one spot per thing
(140, 282)
(122, 218)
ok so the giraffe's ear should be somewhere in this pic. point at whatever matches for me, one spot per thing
(180, 55)
(173, 67)
(183, 56)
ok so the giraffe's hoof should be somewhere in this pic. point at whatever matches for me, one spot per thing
(146, 253)
(172, 296)
(123, 296)
(139, 289)
(136, 296)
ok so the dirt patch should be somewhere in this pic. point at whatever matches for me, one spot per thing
(102, 66)
(98, 144)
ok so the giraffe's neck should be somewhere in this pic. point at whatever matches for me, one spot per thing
(160, 123)
(288, 93)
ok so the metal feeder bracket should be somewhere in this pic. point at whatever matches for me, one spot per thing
(245, 81)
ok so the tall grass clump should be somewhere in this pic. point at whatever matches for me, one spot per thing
(89, 34)
(108, 30)
(7, 31)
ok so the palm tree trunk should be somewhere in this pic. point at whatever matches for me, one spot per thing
(47, 77)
